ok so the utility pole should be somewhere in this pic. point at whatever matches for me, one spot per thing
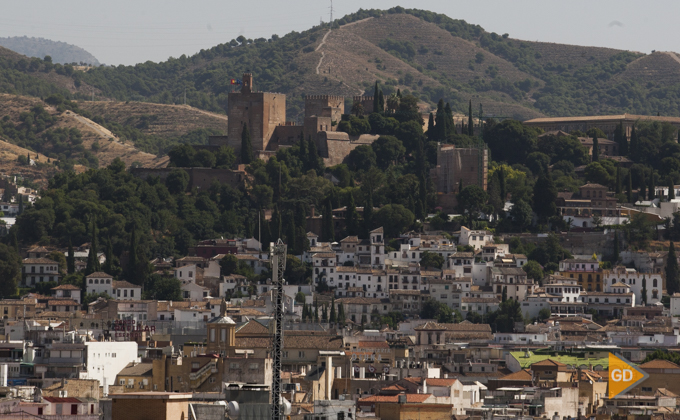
(278, 261)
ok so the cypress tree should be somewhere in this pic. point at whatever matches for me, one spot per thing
(622, 140)
(70, 259)
(501, 180)
(651, 193)
(324, 313)
(313, 159)
(629, 189)
(616, 246)
(14, 241)
(246, 146)
(275, 223)
(333, 318)
(431, 128)
(368, 215)
(440, 133)
(642, 191)
(398, 93)
(381, 101)
(92, 259)
(316, 311)
(351, 216)
(341, 314)
(303, 153)
(460, 186)
(328, 229)
(376, 93)
(671, 189)
(643, 292)
(450, 129)
(596, 149)
(290, 234)
(108, 264)
(634, 147)
(132, 260)
(21, 203)
(619, 188)
(471, 126)
(504, 294)
(304, 311)
(672, 274)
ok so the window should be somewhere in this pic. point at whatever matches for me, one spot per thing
(301, 354)
(254, 366)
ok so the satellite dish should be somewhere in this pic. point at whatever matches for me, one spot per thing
(232, 410)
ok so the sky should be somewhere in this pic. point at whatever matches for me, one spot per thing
(129, 32)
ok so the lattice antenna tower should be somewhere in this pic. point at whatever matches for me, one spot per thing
(331, 22)
(278, 261)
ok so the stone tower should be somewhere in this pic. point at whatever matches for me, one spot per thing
(221, 333)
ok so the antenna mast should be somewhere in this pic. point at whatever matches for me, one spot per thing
(278, 259)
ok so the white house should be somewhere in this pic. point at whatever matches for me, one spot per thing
(192, 291)
(104, 359)
(474, 238)
(675, 304)
(67, 291)
(654, 283)
(99, 282)
(40, 270)
(186, 272)
(124, 290)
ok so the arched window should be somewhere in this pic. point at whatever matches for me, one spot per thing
(654, 283)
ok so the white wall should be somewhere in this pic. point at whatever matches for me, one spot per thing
(106, 359)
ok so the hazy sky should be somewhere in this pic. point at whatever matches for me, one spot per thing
(129, 32)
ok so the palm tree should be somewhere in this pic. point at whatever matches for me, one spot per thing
(357, 109)
(393, 102)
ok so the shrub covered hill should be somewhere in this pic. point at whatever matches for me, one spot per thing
(429, 55)
(59, 52)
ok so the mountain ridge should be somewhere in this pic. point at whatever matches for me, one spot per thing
(60, 52)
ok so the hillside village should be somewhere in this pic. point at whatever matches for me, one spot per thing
(379, 253)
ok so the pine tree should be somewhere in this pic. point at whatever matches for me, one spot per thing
(596, 149)
(619, 187)
(376, 93)
(672, 274)
(246, 146)
(671, 189)
(351, 219)
(431, 129)
(333, 318)
(651, 193)
(643, 292)
(629, 189)
(471, 126)
(634, 147)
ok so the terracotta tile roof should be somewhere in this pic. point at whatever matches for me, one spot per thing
(66, 287)
(522, 375)
(137, 369)
(39, 261)
(659, 364)
(252, 327)
(121, 284)
(324, 255)
(373, 344)
(60, 400)
(548, 362)
(440, 382)
(410, 398)
(62, 302)
(98, 274)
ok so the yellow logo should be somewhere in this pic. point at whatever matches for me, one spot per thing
(623, 376)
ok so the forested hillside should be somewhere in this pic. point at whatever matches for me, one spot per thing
(60, 52)
(429, 55)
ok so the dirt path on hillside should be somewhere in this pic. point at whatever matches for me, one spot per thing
(208, 113)
(94, 126)
(323, 41)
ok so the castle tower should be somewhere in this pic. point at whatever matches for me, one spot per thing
(261, 111)
(221, 333)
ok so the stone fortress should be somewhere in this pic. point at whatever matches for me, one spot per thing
(265, 115)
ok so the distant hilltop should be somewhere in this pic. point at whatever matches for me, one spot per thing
(60, 52)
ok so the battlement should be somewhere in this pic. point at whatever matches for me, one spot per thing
(326, 97)
(362, 98)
